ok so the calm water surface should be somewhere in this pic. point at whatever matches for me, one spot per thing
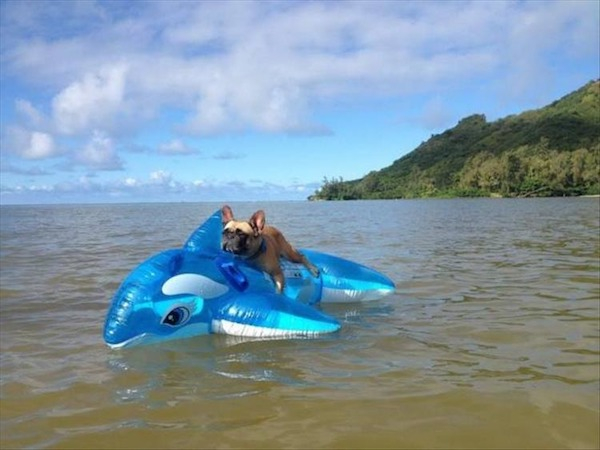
(492, 340)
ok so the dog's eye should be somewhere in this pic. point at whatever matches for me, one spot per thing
(240, 233)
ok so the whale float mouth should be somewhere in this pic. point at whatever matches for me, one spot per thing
(190, 330)
(139, 339)
(253, 331)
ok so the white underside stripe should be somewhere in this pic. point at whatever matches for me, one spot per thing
(240, 329)
(331, 295)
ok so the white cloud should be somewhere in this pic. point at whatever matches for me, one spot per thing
(131, 182)
(261, 65)
(19, 170)
(94, 101)
(226, 155)
(99, 153)
(41, 145)
(163, 178)
(29, 144)
(176, 147)
(30, 113)
(159, 186)
(541, 32)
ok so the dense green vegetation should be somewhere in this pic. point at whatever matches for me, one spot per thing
(552, 151)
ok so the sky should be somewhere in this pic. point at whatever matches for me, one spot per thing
(143, 101)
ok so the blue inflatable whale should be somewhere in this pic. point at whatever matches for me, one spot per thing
(200, 289)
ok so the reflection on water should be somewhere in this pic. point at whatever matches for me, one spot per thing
(492, 339)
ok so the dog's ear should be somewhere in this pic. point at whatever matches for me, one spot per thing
(226, 214)
(257, 222)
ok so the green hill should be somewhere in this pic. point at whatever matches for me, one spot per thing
(550, 151)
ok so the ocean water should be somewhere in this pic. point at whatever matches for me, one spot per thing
(491, 341)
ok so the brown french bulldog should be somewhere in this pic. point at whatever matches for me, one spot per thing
(261, 245)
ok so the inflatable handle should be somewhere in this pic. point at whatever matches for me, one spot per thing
(232, 274)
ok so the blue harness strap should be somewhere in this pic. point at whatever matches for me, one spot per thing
(261, 249)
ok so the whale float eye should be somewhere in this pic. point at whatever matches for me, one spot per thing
(177, 316)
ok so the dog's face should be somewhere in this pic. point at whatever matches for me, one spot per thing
(240, 237)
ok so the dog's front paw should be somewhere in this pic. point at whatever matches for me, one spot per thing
(315, 272)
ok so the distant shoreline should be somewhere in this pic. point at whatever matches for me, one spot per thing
(495, 196)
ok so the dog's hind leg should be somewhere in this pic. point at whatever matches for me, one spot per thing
(293, 255)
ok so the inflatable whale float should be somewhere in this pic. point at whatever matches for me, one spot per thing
(200, 289)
